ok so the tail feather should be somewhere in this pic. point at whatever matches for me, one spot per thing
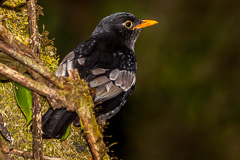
(56, 122)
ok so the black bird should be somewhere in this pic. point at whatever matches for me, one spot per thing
(107, 62)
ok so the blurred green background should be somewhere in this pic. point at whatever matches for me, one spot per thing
(186, 105)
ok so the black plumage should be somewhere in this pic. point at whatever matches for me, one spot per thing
(108, 63)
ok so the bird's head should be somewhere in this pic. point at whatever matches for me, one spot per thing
(123, 26)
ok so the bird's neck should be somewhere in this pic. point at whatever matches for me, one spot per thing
(111, 40)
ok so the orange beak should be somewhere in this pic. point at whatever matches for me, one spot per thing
(145, 23)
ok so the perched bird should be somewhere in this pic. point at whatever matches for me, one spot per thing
(108, 63)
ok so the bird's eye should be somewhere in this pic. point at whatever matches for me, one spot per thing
(128, 24)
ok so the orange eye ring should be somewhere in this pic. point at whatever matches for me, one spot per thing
(128, 24)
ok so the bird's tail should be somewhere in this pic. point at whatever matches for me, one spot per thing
(56, 122)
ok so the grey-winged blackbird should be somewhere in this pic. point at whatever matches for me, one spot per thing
(108, 63)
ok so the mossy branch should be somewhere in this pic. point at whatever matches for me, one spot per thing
(37, 105)
(27, 155)
(71, 93)
(23, 55)
(38, 87)
(83, 106)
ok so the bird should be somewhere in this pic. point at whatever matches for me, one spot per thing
(107, 62)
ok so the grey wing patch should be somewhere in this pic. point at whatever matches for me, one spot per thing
(114, 74)
(61, 71)
(99, 81)
(107, 91)
(68, 57)
(98, 71)
(81, 61)
(118, 81)
(65, 65)
(125, 79)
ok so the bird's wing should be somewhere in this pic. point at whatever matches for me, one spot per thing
(112, 85)
(65, 65)
(112, 89)
(108, 82)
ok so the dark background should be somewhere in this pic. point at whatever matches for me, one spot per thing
(186, 105)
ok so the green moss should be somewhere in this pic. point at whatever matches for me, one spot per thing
(14, 118)
(48, 52)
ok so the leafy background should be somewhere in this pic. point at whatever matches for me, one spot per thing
(186, 105)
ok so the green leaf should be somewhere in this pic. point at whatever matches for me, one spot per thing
(66, 133)
(24, 100)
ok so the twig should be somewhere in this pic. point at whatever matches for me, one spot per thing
(8, 38)
(25, 154)
(94, 136)
(24, 54)
(32, 20)
(42, 89)
(31, 63)
(37, 126)
(37, 106)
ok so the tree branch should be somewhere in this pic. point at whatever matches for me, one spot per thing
(8, 38)
(30, 62)
(24, 55)
(86, 114)
(32, 19)
(83, 107)
(24, 154)
(37, 106)
(42, 89)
